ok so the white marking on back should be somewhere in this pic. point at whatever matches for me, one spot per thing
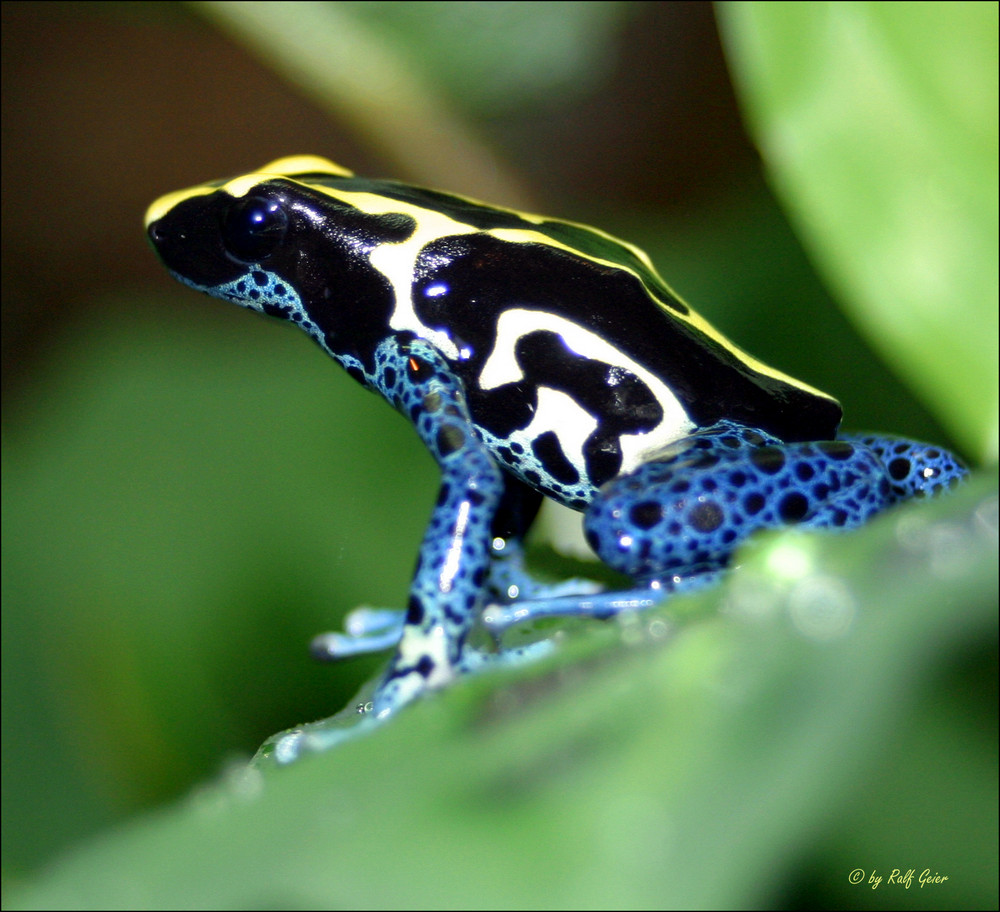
(563, 414)
(397, 262)
(557, 411)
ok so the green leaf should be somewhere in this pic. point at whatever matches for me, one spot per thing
(878, 124)
(703, 768)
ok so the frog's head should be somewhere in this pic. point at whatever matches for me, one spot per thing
(276, 242)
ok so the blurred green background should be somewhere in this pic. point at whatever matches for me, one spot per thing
(190, 493)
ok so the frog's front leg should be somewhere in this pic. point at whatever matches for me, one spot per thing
(507, 582)
(448, 585)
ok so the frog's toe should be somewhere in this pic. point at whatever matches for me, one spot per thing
(474, 661)
(368, 630)
(367, 621)
(511, 584)
(600, 604)
(577, 586)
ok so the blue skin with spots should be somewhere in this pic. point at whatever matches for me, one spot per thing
(534, 358)
(687, 511)
(455, 557)
(672, 525)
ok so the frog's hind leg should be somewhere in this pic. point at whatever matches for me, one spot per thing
(509, 581)
(693, 508)
(914, 469)
(673, 523)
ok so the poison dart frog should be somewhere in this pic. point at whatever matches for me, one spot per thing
(535, 358)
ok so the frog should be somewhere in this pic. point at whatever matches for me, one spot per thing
(537, 359)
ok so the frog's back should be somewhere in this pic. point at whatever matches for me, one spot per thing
(577, 360)
(541, 312)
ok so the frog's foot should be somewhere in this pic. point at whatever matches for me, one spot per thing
(354, 721)
(366, 630)
(600, 605)
(369, 630)
(402, 685)
(524, 588)
(509, 581)
(474, 661)
(368, 710)
(514, 595)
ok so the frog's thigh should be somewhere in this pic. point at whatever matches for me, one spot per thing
(685, 515)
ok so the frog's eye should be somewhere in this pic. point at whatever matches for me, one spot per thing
(253, 228)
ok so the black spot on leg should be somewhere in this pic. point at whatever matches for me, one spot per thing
(793, 507)
(899, 469)
(769, 459)
(706, 517)
(836, 449)
(804, 471)
(449, 439)
(647, 514)
(414, 611)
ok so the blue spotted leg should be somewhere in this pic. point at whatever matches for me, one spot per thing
(447, 593)
(673, 524)
(451, 582)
